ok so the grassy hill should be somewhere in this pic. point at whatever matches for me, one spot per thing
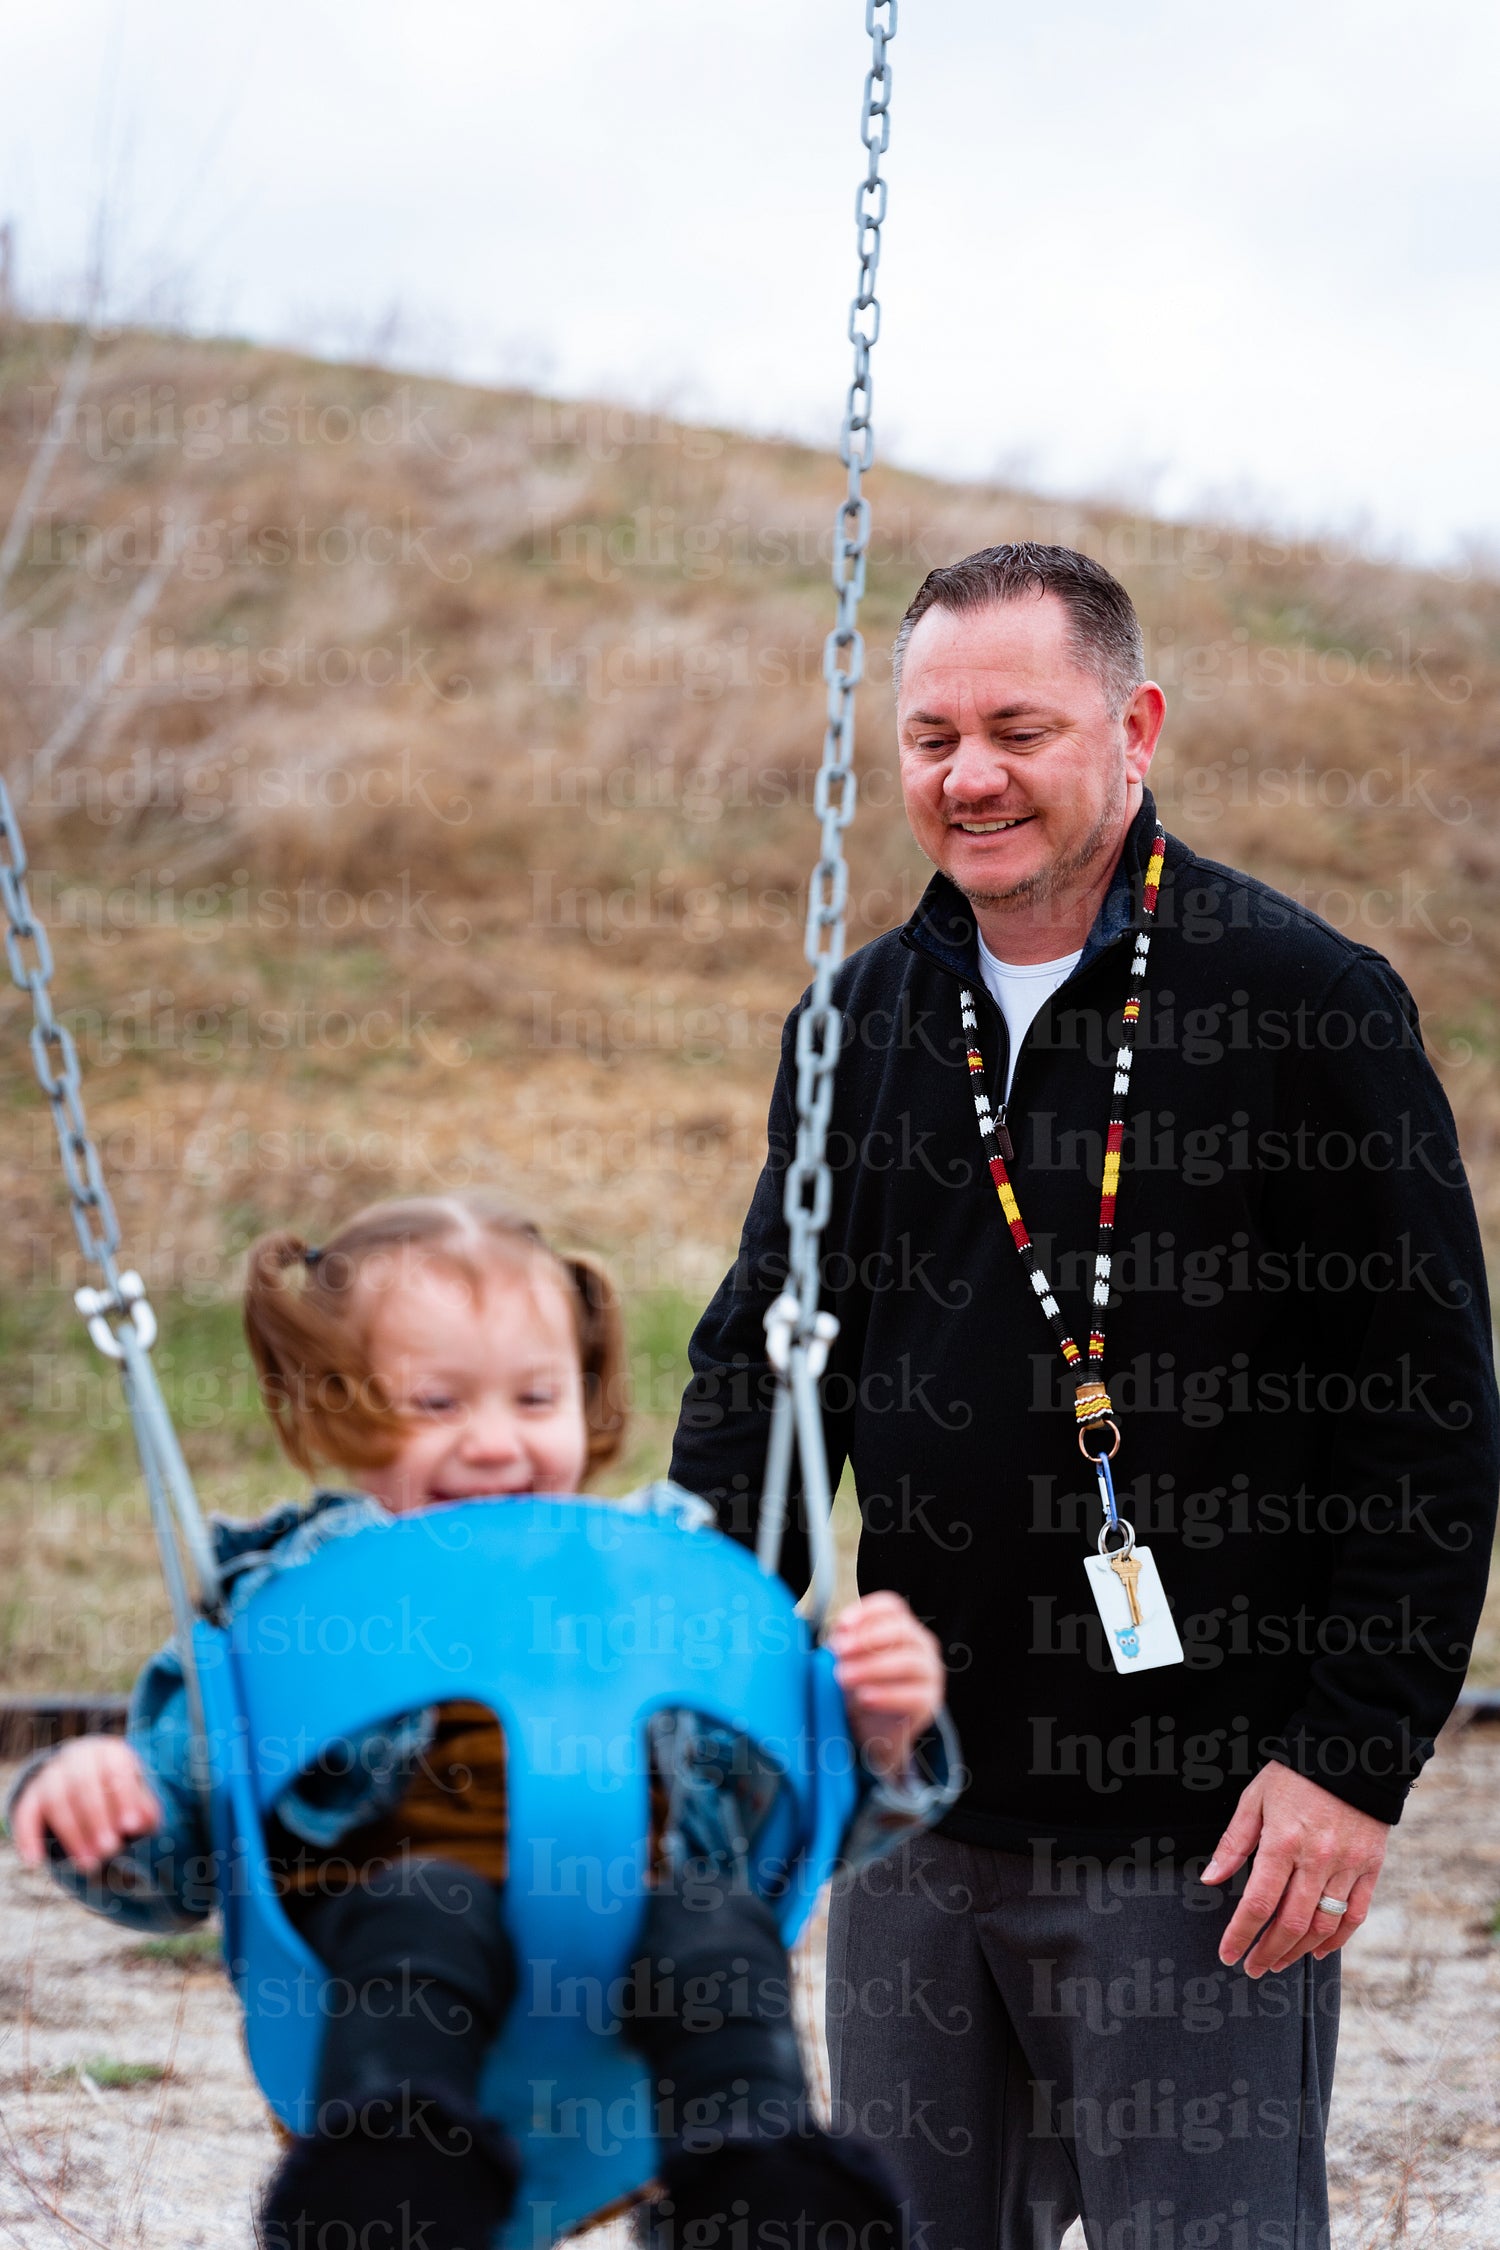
(420, 794)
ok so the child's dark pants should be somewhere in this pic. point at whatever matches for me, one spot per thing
(423, 1975)
(742, 2161)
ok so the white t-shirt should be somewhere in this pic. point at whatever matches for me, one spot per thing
(1021, 993)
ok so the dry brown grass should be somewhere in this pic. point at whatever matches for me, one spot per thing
(448, 821)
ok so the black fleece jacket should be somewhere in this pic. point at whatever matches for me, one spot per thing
(1299, 1357)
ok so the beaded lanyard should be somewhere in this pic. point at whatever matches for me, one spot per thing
(1091, 1404)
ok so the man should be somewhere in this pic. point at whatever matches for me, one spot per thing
(1059, 2002)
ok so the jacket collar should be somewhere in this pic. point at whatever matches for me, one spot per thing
(943, 925)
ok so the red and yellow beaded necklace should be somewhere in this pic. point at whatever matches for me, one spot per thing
(1091, 1403)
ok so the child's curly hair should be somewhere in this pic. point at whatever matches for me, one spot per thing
(308, 1323)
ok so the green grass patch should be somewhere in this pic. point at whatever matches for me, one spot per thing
(658, 1323)
(185, 1949)
(1464, 1037)
(115, 2077)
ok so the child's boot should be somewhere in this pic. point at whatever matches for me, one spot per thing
(799, 2187)
(410, 2168)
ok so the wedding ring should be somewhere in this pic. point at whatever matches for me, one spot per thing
(1328, 1905)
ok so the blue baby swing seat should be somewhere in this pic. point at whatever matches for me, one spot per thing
(573, 1622)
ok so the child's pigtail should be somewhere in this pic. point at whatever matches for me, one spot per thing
(601, 1349)
(310, 1368)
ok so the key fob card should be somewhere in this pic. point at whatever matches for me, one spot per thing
(1135, 1648)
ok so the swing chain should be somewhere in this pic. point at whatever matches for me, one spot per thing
(119, 1316)
(809, 1186)
(797, 1333)
(55, 1058)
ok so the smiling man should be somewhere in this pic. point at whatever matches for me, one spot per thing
(1164, 1374)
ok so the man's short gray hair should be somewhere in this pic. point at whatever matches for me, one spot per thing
(1104, 631)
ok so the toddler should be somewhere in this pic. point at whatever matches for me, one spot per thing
(436, 1350)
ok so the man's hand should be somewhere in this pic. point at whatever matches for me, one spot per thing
(92, 1795)
(893, 1676)
(1308, 1844)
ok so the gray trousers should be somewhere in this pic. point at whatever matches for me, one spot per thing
(1031, 2040)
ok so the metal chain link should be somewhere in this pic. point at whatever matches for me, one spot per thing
(119, 1315)
(55, 1059)
(798, 1335)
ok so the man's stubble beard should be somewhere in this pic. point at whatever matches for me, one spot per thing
(1048, 881)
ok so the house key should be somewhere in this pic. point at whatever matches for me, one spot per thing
(1128, 1570)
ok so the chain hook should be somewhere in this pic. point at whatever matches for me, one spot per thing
(100, 1306)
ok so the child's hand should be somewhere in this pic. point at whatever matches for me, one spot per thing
(93, 1795)
(893, 1676)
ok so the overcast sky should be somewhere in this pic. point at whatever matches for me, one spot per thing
(1245, 258)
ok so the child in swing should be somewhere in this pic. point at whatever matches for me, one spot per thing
(436, 1350)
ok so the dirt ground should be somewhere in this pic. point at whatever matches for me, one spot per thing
(174, 2162)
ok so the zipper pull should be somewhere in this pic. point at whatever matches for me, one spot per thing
(1002, 1138)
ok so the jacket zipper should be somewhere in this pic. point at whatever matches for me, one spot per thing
(1002, 1136)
